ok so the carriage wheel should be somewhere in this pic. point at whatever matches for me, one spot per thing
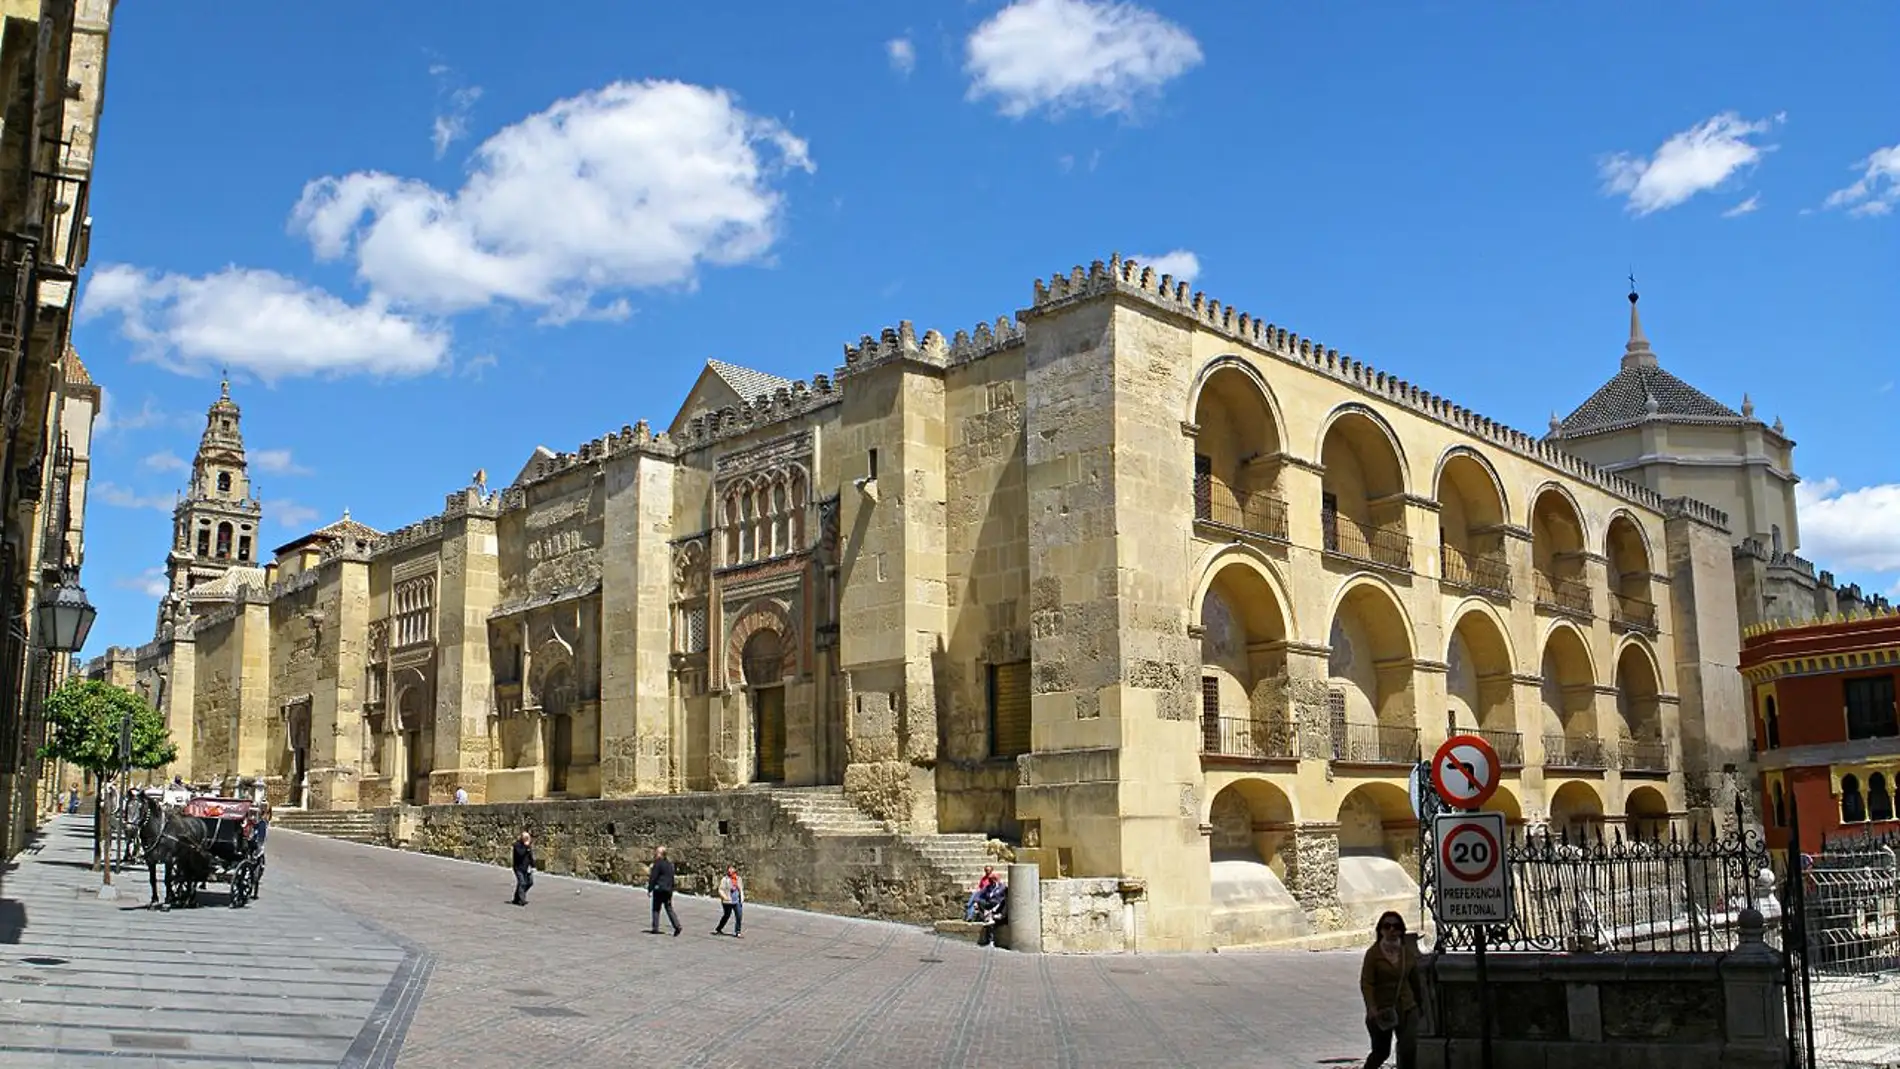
(240, 886)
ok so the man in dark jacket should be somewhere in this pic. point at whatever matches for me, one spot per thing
(660, 889)
(524, 867)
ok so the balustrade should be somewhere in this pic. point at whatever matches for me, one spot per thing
(1561, 594)
(1253, 511)
(1644, 755)
(1383, 546)
(1563, 751)
(1632, 613)
(1375, 744)
(1261, 740)
(1508, 744)
(1483, 572)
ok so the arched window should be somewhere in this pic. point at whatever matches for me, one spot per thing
(1781, 806)
(224, 482)
(1879, 798)
(781, 521)
(732, 529)
(244, 547)
(204, 541)
(1771, 725)
(748, 538)
(1853, 808)
(224, 541)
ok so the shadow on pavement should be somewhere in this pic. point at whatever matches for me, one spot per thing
(12, 920)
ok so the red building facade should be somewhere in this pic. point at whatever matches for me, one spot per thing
(1826, 727)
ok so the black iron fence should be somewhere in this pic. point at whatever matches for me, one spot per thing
(1560, 594)
(1382, 546)
(1253, 511)
(1565, 751)
(1593, 889)
(1487, 573)
(1260, 740)
(1375, 744)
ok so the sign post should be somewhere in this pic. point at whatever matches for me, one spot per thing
(1472, 875)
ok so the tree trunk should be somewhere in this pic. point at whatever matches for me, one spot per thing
(98, 822)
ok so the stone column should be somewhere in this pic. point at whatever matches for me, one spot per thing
(1312, 873)
(467, 590)
(336, 705)
(255, 716)
(637, 747)
(179, 701)
(1025, 908)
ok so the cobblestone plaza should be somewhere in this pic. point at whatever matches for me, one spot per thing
(365, 957)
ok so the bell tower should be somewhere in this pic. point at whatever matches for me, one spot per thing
(215, 527)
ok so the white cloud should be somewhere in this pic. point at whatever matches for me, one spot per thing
(277, 462)
(1105, 56)
(1180, 263)
(126, 498)
(1877, 191)
(165, 461)
(260, 321)
(1697, 160)
(451, 124)
(290, 514)
(1752, 204)
(631, 186)
(150, 582)
(902, 54)
(148, 416)
(1850, 529)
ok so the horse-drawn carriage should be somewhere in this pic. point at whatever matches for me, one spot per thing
(206, 840)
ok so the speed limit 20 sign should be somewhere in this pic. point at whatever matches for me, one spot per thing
(1474, 884)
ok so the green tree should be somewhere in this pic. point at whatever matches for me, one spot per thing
(84, 719)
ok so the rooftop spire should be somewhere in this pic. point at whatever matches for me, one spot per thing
(1637, 353)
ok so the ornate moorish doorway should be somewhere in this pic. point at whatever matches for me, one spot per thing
(557, 705)
(764, 662)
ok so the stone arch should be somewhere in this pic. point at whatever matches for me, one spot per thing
(1462, 463)
(1225, 375)
(1375, 820)
(1253, 821)
(1364, 481)
(1479, 678)
(1630, 561)
(1239, 446)
(1372, 656)
(1567, 699)
(1505, 801)
(1639, 689)
(1646, 813)
(552, 663)
(1472, 513)
(1566, 502)
(761, 613)
(1575, 807)
(1216, 561)
(412, 704)
(1243, 635)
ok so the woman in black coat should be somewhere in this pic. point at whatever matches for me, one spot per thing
(524, 867)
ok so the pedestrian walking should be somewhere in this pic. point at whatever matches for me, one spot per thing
(660, 879)
(731, 902)
(1388, 981)
(524, 868)
(72, 799)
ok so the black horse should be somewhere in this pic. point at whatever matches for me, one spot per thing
(177, 842)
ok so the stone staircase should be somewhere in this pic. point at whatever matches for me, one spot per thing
(349, 825)
(825, 811)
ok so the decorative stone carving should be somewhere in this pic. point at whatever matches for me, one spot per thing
(757, 615)
(690, 576)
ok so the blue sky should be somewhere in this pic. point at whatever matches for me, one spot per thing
(427, 237)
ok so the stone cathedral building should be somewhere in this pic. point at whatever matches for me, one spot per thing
(1154, 590)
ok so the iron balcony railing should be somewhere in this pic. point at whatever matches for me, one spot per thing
(1563, 751)
(1558, 594)
(1252, 511)
(1375, 744)
(1483, 572)
(1644, 755)
(1508, 744)
(1634, 614)
(1382, 546)
(1260, 740)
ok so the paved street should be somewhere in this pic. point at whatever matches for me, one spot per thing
(573, 981)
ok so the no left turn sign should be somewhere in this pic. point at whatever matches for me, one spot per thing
(1466, 771)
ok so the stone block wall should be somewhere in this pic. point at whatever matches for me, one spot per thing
(1086, 916)
(613, 841)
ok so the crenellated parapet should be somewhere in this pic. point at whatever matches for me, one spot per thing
(1126, 278)
(1756, 549)
(1690, 508)
(736, 421)
(418, 533)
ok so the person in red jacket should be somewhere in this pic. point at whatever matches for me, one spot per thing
(989, 879)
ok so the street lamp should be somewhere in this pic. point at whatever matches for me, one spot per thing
(62, 621)
(64, 617)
